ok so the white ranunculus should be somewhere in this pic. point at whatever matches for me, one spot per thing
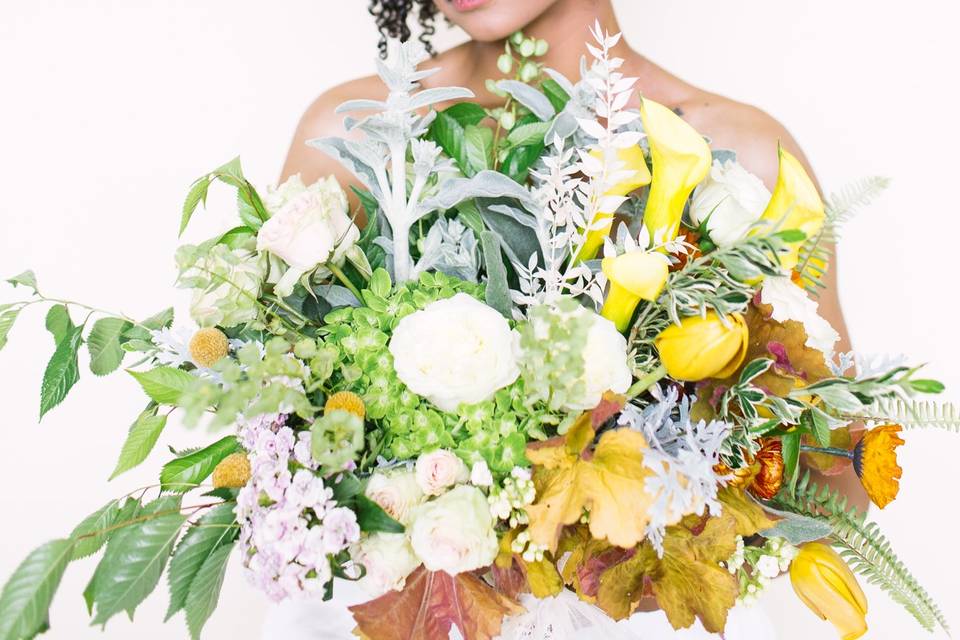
(454, 533)
(455, 351)
(790, 302)
(397, 493)
(388, 560)
(733, 198)
(439, 470)
(605, 366)
(308, 226)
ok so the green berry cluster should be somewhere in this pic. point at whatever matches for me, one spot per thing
(518, 58)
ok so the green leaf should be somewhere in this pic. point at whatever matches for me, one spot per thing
(927, 386)
(141, 438)
(164, 385)
(7, 318)
(26, 279)
(791, 457)
(58, 322)
(478, 148)
(159, 320)
(103, 518)
(371, 517)
(466, 113)
(205, 590)
(135, 559)
(196, 195)
(62, 371)
(555, 94)
(127, 516)
(250, 208)
(528, 134)
(519, 160)
(498, 289)
(345, 487)
(26, 597)
(380, 283)
(449, 134)
(237, 237)
(184, 473)
(104, 340)
(754, 369)
(216, 528)
(820, 426)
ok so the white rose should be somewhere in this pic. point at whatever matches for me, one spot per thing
(733, 198)
(605, 366)
(232, 281)
(308, 226)
(791, 302)
(397, 493)
(454, 533)
(438, 470)
(388, 560)
(455, 351)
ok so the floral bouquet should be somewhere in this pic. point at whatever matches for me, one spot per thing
(569, 357)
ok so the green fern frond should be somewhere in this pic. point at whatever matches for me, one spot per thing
(864, 548)
(840, 207)
(915, 414)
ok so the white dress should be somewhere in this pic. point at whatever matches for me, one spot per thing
(562, 618)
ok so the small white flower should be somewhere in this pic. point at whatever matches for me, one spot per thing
(480, 474)
(768, 566)
(791, 302)
(732, 198)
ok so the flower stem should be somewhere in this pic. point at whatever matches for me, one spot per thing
(342, 277)
(830, 451)
(646, 382)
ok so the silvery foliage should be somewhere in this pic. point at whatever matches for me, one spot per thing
(451, 248)
(571, 185)
(682, 456)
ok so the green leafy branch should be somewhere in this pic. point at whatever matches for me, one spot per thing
(913, 414)
(249, 205)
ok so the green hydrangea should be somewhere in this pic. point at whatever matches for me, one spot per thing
(553, 340)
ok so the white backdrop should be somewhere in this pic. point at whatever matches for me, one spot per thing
(110, 108)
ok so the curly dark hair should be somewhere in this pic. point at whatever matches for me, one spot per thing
(391, 17)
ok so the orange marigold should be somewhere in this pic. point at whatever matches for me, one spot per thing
(769, 478)
(346, 401)
(875, 460)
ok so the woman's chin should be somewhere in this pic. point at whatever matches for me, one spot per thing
(492, 20)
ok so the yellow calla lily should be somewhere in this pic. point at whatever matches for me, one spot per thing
(703, 347)
(795, 204)
(681, 160)
(633, 276)
(824, 582)
(631, 159)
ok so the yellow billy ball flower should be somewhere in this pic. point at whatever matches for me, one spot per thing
(703, 347)
(633, 276)
(233, 472)
(795, 205)
(633, 166)
(875, 461)
(824, 582)
(681, 160)
(346, 401)
(208, 346)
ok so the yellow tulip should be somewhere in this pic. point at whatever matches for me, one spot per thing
(681, 160)
(631, 159)
(824, 582)
(795, 204)
(703, 347)
(633, 276)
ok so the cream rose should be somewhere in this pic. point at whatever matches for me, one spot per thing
(732, 198)
(388, 560)
(454, 533)
(397, 493)
(790, 302)
(605, 366)
(308, 226)
(455, 351)
(438, 470)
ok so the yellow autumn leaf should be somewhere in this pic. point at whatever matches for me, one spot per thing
(541, 577)
(608, 481)
(749, 518)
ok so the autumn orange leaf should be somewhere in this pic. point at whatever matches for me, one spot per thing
(512, 575)
(430, 604)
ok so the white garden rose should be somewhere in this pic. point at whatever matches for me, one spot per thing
(397, 493)
(791, 302)
(454, 533)
(605, 366)
(308, 226)
(733, 198)
(455, 351)
(388, 560)
(439, 470)
(226, 284)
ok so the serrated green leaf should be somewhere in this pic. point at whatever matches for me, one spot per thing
(159, 320)
(26, 279)
(205, 590)
(58, 322)
(62, 371)
(104, 343)
(89, 535)
(819, 426)
(140, 441)
(466, 113)
(196, 195)
(7, 318)
(215, 529)
(135, 559)
(182, 474)
(371, 517)
(127, 513)
(26, 597)
(164, 385)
